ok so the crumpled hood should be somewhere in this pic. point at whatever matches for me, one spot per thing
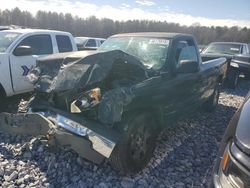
(243, 128)
(62, 72)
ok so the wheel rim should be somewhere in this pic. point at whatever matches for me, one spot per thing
(139, 143)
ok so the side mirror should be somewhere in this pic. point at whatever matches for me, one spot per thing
(23, 51)
(188, 66)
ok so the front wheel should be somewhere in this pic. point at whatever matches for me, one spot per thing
(136, 147)
(3, 103)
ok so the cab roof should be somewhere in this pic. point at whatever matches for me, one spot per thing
(24, 31)
(152, 34)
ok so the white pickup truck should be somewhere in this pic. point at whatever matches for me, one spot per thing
(19, 50)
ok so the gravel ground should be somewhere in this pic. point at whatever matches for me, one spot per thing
(183, 158)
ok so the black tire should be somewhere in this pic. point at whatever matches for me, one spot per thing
(212, 102)
(136, 146)
(3, 99)
(233, 77)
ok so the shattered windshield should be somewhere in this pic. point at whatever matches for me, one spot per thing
(223, 48)
(6, 38)
(152, 52)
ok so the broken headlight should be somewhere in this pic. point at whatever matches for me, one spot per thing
(86, 101)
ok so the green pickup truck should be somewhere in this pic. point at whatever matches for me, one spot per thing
(113, 102)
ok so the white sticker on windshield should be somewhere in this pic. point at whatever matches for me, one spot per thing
(159, 41)
(235, 49)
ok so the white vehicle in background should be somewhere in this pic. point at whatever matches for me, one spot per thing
(19, 50)
(87, 43)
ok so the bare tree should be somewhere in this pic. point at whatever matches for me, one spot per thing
(105, 27)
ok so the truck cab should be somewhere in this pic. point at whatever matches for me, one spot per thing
(19, 50)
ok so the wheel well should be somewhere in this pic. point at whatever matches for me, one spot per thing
(2, 91)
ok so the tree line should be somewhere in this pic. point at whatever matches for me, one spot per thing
(93, 27)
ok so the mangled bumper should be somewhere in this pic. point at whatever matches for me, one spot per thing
(92, 143)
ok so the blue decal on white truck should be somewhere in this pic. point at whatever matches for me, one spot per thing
(25, 70)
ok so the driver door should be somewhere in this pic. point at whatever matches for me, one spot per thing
(20, 65)
(183, 93)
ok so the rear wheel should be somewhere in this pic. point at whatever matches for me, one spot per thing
(233, 77)
(136, 146)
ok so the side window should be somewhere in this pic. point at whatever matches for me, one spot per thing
(185, 50)
(40, 44)
(64, 43)
(91, 43)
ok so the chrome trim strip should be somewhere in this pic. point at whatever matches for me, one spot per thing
(100, 144)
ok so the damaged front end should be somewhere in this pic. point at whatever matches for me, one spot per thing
(97, 85)
(79, 98)
(62, 131)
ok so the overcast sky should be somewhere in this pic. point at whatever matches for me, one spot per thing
(184, 12)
